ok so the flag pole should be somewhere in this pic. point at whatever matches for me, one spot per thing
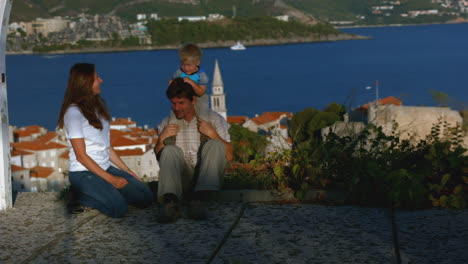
(376, 91)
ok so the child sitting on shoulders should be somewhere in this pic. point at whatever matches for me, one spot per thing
(190, 57)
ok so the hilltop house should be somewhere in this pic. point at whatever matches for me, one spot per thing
(144, 164)
(28, 133)
(413, 121)
(122, 123)
(135, 146)
(269, 122)
(20, 178)
(273, 125)
(46, 179)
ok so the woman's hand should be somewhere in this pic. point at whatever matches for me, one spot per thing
(133, 174)
(118, 182)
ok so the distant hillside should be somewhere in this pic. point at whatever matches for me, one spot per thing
(302, 10)
(30, 9)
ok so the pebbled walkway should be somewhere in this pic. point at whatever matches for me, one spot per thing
(37, 230)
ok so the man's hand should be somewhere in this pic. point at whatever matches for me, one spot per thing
(169, 131)
(205, 128)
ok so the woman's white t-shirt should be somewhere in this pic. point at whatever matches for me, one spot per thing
(97, 141)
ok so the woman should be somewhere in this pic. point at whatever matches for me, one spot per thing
(85, 118)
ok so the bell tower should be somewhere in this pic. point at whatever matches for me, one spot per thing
(218, 98)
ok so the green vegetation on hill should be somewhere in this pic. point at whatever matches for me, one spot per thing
(369, 167)
(334, 10)
(243, 8)
(344, 10)
(350, 10)
(30, 9)
(172, 32)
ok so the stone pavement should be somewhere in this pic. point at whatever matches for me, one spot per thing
(37, 230)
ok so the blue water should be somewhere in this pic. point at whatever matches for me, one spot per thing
(407, 62)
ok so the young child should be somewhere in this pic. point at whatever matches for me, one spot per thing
(190, 57)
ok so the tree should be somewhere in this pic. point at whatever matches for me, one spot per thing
(246, 143)
(442, 99)
(338, 109)
(307, 124)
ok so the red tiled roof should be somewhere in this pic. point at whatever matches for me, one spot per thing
(65, 155)
(142, 140)
(123, 141)
(269, 117)
(122, 121)
(384, 101)
(37, 145)
(117, 133)
(15, 168)
(27, 131)
(47, 137)
(41, 172)
(236, 119)
(144, 133)
(129, 152)
(16, 152)
(136, 129)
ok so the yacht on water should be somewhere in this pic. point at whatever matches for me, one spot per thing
(238, 46)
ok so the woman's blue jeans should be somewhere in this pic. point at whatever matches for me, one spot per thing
(97, 193)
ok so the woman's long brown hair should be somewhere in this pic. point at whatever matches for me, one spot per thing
(79, 92)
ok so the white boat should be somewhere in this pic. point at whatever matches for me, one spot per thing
(238, 46)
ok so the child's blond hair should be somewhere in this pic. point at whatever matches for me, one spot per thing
(190, 51)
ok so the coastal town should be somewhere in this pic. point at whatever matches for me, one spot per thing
(39, 158)
(84, 31)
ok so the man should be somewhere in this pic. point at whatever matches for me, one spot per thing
(191, 166)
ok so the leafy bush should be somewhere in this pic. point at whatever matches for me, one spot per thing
(379, 169)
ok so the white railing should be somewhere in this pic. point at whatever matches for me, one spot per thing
(5, 172)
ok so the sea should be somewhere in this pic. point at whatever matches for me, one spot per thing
(407, 62)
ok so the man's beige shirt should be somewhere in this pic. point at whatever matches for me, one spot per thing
(188, 138)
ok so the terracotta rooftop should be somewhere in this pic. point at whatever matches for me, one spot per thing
(27, 131)
(117, 133)
(147, 133)
(384, 101)
(123, 141)
(142, 140)
(47, 137)
(17, 168)
(16, 152)
(41, 172)
(65, 155)
(36, 145)
(236, 119)
(136, 129)
(267, 117)
(129, 152)
(122, 122)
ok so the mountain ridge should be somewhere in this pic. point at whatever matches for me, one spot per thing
(306, 11)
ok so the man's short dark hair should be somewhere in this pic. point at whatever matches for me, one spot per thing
(179, 88)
